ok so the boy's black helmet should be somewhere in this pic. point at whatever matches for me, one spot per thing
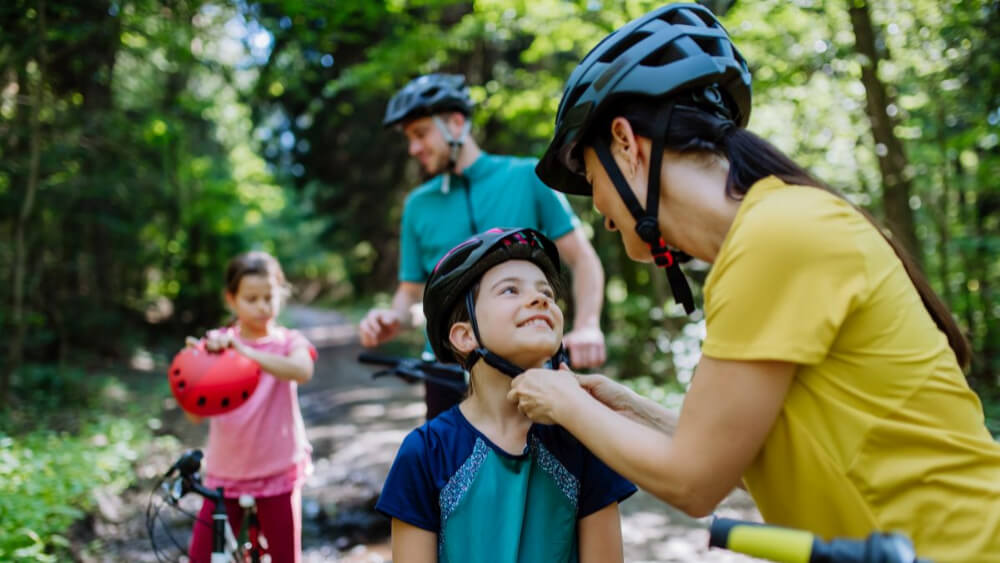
(465, 264)
(427, 95)
(672, 51)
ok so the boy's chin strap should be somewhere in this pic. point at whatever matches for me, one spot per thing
(647, 225)
(455, 147)
(500, 364)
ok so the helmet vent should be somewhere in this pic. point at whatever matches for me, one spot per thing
(575, 95)
(663, 56)
(710, 45)
(624, 45)
(431, 92)
(694, 18)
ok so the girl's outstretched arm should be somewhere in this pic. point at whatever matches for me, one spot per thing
(296, 366)
(601, 536)
(411, 544)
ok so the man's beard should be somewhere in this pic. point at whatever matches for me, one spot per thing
(438, 166)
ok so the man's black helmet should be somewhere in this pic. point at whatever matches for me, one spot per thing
(427, 95)
(463, 266)
(674, 51)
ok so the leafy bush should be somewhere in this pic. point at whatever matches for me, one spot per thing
(68, 434)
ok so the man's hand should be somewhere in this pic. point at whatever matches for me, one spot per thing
(378, 326)
(586, 347)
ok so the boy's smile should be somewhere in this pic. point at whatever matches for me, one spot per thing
(517, 313)
(539, 320)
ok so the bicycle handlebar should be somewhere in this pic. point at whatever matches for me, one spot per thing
(787, 545)
(414, 369)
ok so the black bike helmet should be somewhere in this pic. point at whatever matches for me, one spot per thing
(427, 95)
(679, 53)
(458, 271)
(676, 49)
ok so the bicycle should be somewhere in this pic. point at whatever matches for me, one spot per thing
(789, 545)
(446, 382)
(183, 478)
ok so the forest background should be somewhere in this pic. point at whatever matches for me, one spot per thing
(143, 143)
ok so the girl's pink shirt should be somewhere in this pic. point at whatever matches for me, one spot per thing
(261, 448)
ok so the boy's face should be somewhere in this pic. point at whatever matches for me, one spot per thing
(517, 313)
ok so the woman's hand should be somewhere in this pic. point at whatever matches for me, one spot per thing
(614, 395)
(541, 394)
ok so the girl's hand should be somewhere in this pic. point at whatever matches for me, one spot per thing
(217, 340)
(541, 394)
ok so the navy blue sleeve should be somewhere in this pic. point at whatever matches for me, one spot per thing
(600, 485)
(410, 493)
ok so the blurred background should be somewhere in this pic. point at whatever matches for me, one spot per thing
(143, 143)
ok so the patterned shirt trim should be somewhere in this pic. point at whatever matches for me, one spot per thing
(566, 481)
(458, 485)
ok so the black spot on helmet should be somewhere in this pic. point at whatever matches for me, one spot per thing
(674, 51)
(427, 95)
(464, 265)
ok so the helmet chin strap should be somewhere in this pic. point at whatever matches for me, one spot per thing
(647, 224)
(455, 147)
(493, 360)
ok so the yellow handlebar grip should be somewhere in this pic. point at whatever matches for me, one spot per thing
(776, 544)
(784, 545)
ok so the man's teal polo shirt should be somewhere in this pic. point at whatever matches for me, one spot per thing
(496, 191)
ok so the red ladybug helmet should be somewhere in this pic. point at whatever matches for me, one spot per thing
(210, 383)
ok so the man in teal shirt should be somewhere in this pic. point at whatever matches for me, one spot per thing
(469, 192)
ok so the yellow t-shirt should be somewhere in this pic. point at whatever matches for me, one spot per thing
(879, 430)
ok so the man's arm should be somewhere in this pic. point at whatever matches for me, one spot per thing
(586, 341)
(382, 325)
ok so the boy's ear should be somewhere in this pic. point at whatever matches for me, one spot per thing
(230, 299)
(462, 338)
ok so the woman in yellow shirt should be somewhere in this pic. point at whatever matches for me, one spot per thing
(831, 380)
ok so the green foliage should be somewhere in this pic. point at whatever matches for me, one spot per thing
(172, 135)
(72, 437)
(938, 65)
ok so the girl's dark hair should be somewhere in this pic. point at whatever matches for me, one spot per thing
(257, 263)
(751, 158)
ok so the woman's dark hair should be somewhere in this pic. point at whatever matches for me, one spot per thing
(751, 158)
(257, 263)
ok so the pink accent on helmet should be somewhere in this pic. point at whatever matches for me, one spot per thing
(463, 245)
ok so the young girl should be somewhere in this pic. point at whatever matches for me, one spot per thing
(480, 482)
(259, 448)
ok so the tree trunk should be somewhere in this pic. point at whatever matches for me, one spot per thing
(16, 354)
(892, 160)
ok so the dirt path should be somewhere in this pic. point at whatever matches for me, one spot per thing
(355, 425)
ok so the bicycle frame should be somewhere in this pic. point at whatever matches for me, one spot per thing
(225, 547)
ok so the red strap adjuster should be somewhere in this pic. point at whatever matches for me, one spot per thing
(661, 255)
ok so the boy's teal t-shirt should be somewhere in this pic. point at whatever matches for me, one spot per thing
(488, 505)
(496, 191)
